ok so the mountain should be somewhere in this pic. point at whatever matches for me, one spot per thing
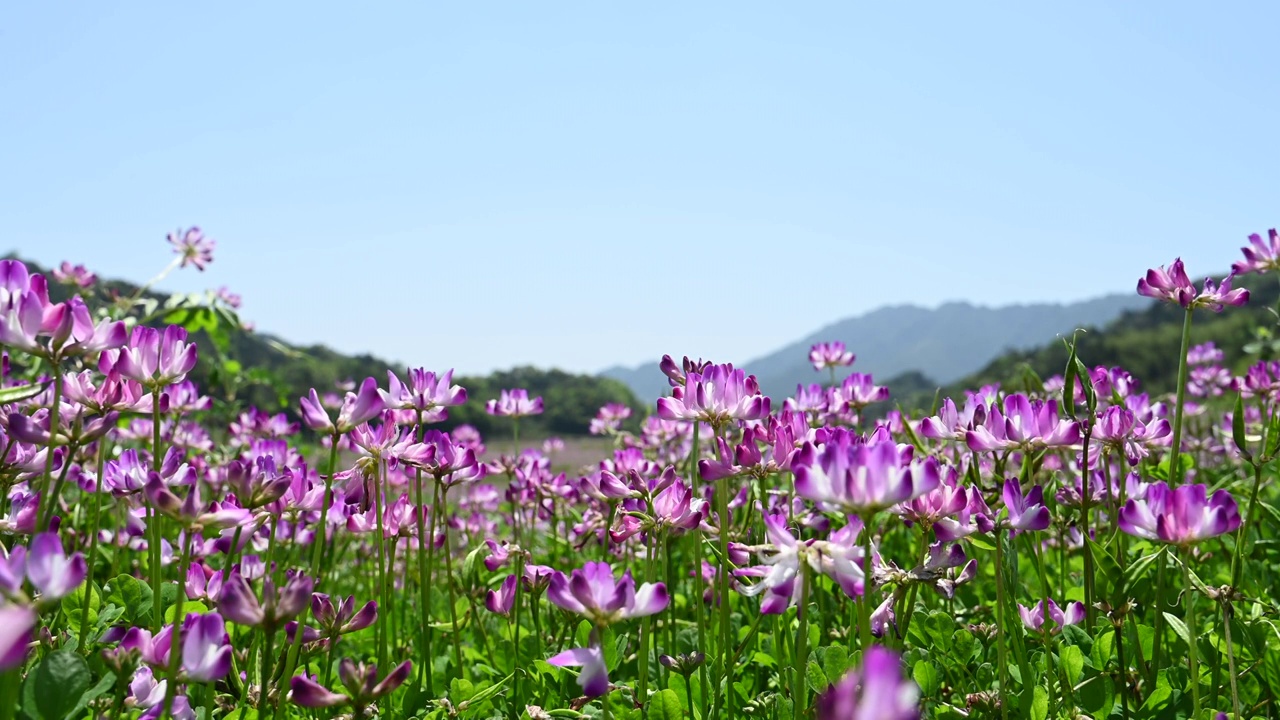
(1145, 342)
(943, 344)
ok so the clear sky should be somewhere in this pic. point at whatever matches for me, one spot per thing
(481, 185)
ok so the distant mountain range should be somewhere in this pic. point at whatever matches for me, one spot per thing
(941, 344)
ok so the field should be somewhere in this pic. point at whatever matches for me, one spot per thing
(1077, 548)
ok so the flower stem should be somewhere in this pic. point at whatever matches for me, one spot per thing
(453, 604)
(93, 545)
(1193, 652)
(384, 614)
(800, 702)
(517, 696)
(1244, 526)
(1175, 468)
(1002, 651)
(154, 521)
(175, 646)
(864, 602)
(54, 416)
(1231, 657)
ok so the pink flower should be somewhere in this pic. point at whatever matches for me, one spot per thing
(1173, 286)
(1261, 256)
(194, 248)
(717, 396)
(157, 359)
(49, 569)
(514, 403)
(830, 355)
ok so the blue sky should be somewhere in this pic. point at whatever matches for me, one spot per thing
(582, 184)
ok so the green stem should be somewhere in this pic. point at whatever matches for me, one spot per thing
(175, 647)
(1158, 636)
(54, 416)
(1231, 657)
(1175, 468)
(1236, 565)
(154, 521)
(518, 697)
(1123, 687)
(1002, 651)
(1192, 628)
(722, 578)
(380, 547)
(94, 528)
(453, 604)
(800, 701)
(864, 602)
(264, 672)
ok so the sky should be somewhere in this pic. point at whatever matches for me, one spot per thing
(581, 184)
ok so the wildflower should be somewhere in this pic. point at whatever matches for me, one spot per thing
(594, 677)
(1120, 429)
(1021, 512)
(874, 691)
(838, 557)
(206, 650)
(1025, 424)
(856, 392)
(344, 618)
(946, 499)
(860, 477)
(16, 622)
(678, 375)
(514, 403)
(717, 396)
(1173, 286)
(1261, 256)
(360, 680)
(193, 247)
(594, 593)
(1033, 618)
(357, 408)
(609, 419)
(501, 601)
(425, 393)
(953, 424)
(74, 275)
(829, 355)
(238, 603)
(1205, 353)
(156, 358)
(1180, 516)
(49, 569)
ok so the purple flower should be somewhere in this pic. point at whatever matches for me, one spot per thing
(859, 477)
(593, 593)
(16, 622)
(1024, 424)
(1182, 516)
(1033, 618)
(856, 392)
(425, 393)
(74, 275)
(308, 693)
(716, 396)
(501, 601)
(838, 557)
(1206, 353)
(358, 408)
(156, 358)
(1262, 256)
(49, 569)
(829, 355)
(360, 680)
(238, 603)
(609, 418)
(1119, 428)
(594, 677)
(514, 403)
(1022, 512)
(676, 508)
(1173, 286)
(440, 456)
(206, 652)
(952, 424)
(874, 691)
(948, 498)
(193, 247)
(343, 619)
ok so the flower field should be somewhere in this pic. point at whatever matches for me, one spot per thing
(1076, 549)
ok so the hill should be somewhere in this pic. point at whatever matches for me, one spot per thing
(1145, 342)
(268, 372)
(944, 343)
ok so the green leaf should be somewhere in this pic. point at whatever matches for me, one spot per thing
(1159, 698)
(926, 676)
(665, 705)
(21, 392)
(1040, 703)
(1138, 570)
(188, 607)
(817, 679)
(980, 542)
(106, 683)
(1103, 650)
(488, 692)
(1098, 696)
(1237, 428)
(74, 603)
(1107, 571)
(835, 662)
(1179, 627)
(60, 680)
(134, 596)
(1073, 661)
